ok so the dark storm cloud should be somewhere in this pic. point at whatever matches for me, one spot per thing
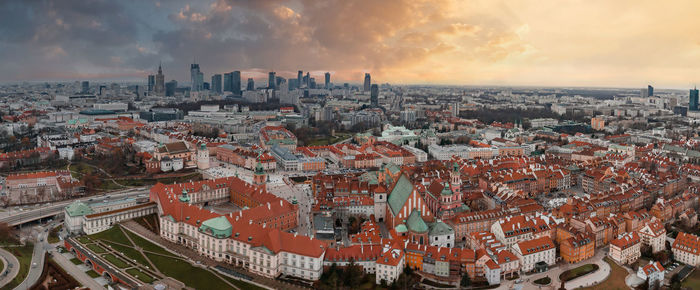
(59, 39)
(347, 36)
(103, 38)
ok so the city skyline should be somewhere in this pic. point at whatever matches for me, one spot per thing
(574, 43)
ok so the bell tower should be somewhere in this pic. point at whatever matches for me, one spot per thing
(259, 176)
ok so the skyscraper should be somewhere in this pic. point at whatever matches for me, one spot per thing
(328, 80)
(216, 83)
(159, 88)
(305, 81)
(251, 85)
(151, 83)
(650, 90)
(85, 87)
(693, 104)
(196, 78)
(300, 76)
(236, 83)
(292, 84)
(279, 81)
(374, 94)
(170, 88)
(228, 80)
(368, 82)
(271, 80)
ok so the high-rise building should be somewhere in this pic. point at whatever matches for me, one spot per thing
(368, 82)
(251, 85)
(205, 86)
(216, 83)
(693, 104)
(293, 85)
(650, 91)
(159, 87)
(455, 109)
(271, 80)
(312, 83)
(307, 80)
(85, 87)
(279, 81)
(196, 78)
(227, 81)
(170, 88)
(328, 80)
(151, 83)
(374, 95)
(300, 76)
(236, 83)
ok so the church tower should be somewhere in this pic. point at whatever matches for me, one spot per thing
(455, 179)
(259, 176)
(202, 157)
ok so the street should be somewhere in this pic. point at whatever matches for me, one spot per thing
(16, 215)
(592, 278)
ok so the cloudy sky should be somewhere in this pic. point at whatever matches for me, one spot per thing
(490, 42)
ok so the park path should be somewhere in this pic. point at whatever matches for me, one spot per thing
(156, 269)
(194, 256)
(74, 271)
(140, 251)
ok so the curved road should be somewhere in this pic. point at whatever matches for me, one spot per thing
(593, 278)
(10, 259)
(38, 257)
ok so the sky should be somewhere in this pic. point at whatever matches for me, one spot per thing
(472, 42)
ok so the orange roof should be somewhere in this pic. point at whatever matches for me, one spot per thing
(536, 245)
(688, 243)
(626, 240)
(32, 175)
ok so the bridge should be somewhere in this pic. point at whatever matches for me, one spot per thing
(15, 217)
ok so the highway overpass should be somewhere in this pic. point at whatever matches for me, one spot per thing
(19, 216)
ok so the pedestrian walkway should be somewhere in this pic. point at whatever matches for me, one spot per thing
(588, 280)
(76, 272)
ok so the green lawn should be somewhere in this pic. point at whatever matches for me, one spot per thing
(84, 240)
(242, 284)
(616, 280)
(96, 248)
(24, 255)
(115, 261)
(328, 140)
(145, 278)
(693, 280)
(92, 274)
(53, 235)
(147, 245)
(76, 261)
(113, 234)
(574, 273)
(80, 169)
(543, 281)
(187, 273)
(131, 253)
